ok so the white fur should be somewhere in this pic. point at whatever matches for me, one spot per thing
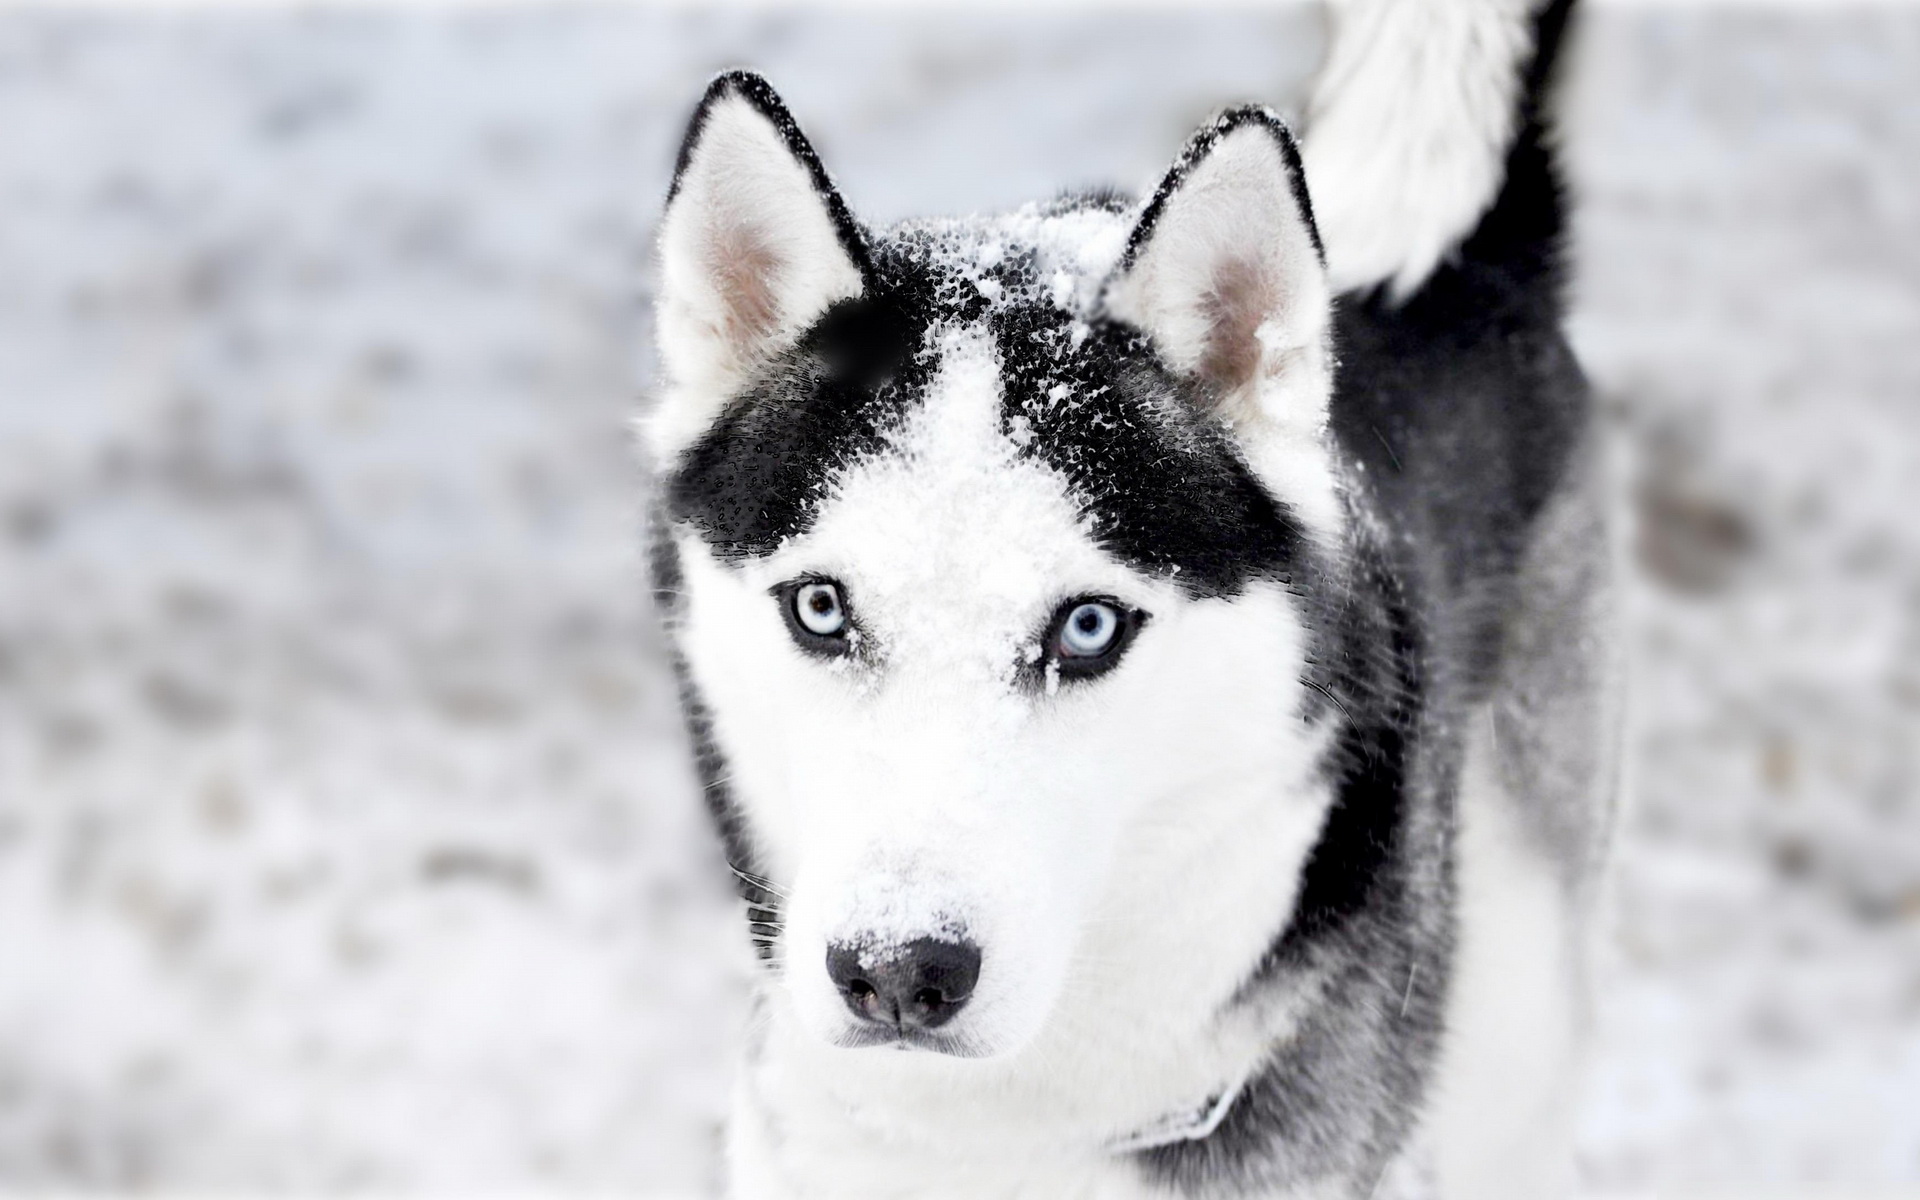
(1408, 130)
(1501, 1123)
(747, 213)
(1064, 829)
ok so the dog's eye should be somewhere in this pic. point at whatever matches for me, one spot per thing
(818, 608)
(1089, 630)
(816, 612)
(1087, 634)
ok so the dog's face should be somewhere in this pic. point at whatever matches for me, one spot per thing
(990, 540)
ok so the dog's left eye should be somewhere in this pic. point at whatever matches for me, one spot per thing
(817, 617)
(817, 607)
(1087, 634)
(1089, 630)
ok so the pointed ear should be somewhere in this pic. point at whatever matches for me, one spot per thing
(756, 244)
(1225, 273)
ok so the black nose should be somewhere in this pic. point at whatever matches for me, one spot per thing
(921, 984)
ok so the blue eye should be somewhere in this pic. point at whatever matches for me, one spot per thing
(818, 617)
(1088, 635)
(1090, 630)
(818, 609)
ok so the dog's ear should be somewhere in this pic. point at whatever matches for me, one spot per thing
(755, 246)
(1225, 273)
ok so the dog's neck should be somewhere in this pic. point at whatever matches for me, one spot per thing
(1189, 1124)
(1073, 1099)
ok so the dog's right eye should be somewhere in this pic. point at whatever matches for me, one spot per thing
(817, 607)
(1088, 634)
(817, 617)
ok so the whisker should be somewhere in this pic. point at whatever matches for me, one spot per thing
(1329, 695)
(759, 881)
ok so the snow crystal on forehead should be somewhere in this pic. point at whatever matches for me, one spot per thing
(952, 545)
(1071, 252)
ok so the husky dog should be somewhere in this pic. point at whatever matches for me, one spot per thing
(1150, 662)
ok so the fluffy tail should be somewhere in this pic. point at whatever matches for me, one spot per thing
(1427, 132)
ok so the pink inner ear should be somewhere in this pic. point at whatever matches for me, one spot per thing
(742, 266)
(1242, 295)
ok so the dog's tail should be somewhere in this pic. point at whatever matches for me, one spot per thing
(1427, 134)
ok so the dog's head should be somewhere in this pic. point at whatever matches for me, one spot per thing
(988, 539)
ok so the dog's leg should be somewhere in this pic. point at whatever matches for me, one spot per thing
(1537, 799)
(1504, 1091)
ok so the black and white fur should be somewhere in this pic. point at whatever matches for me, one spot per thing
(1279, 894)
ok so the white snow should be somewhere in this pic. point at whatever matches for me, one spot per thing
(346, 837)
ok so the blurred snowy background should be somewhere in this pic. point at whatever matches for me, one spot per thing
(345, 839)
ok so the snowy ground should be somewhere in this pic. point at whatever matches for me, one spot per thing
(344, 834)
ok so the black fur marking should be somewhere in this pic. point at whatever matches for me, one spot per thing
(1203, 144)
(1164, 486)
(1524, 233)
(1093, 199)
(763, 903)
(751, 87)
(756, 477)
(1350, 859)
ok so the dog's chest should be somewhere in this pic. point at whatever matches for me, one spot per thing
(823, 1155)
(794, 1136)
